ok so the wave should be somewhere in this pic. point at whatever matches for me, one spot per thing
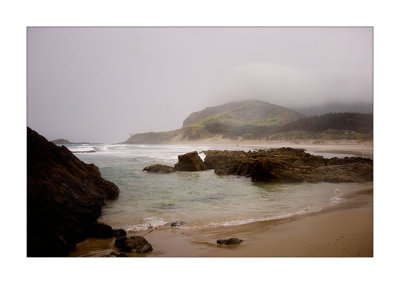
(81, 149)
(263, 219)
(101, 148)
(149, 223)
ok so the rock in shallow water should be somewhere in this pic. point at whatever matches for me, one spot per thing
(190, 162)
(231, 241)
(162, 169)
(117, 233)
(177, 224)
(288, 165)
(135, 244)
(102, 231)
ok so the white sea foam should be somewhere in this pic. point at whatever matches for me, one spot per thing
(253, 220)
(149, 223)
(202, 156)
(80, 149)
(102, 148)
(337, 198)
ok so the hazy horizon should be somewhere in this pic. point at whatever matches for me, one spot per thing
(102, 84)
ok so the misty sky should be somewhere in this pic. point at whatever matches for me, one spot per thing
(102, 84)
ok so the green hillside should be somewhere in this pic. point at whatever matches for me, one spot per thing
(222, 120)
(260, 120)
(235, 114)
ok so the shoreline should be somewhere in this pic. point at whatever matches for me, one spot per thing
(351, 147)
(341, 230)
(345, 230)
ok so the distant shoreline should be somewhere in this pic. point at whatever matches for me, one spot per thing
(351, 147)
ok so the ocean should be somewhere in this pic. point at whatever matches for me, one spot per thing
(199, 199)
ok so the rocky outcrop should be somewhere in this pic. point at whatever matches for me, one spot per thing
(64, 198)
(231, 241)
(163, 169)
(288, 165)
(136, 244)
(190, 162)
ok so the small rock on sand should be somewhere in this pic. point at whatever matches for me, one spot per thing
(231, 241)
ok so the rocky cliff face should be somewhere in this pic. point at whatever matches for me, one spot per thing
(64, 197)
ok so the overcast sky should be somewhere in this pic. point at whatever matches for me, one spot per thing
(102, 84)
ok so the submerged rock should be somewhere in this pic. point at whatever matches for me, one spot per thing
(190, 162)
(159, 169)
(231, 241)
(135, 244)
(168, 206)
(64, 197)
(288, 165)
(177, 224)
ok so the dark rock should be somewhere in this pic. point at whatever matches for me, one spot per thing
(135, 244)
(177, 224)
(190, 162)
(117, 233)
(231, 241)
(159, 169)
(64, 197)
(288, 165)
(102, 231)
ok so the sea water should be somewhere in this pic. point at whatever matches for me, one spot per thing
(199, 199)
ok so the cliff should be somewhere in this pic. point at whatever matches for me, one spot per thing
(64, 197)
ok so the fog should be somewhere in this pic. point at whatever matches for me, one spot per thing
(103, 84)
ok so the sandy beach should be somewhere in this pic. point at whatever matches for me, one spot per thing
(341, 231)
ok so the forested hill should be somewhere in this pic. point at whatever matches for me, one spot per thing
(359, 122)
